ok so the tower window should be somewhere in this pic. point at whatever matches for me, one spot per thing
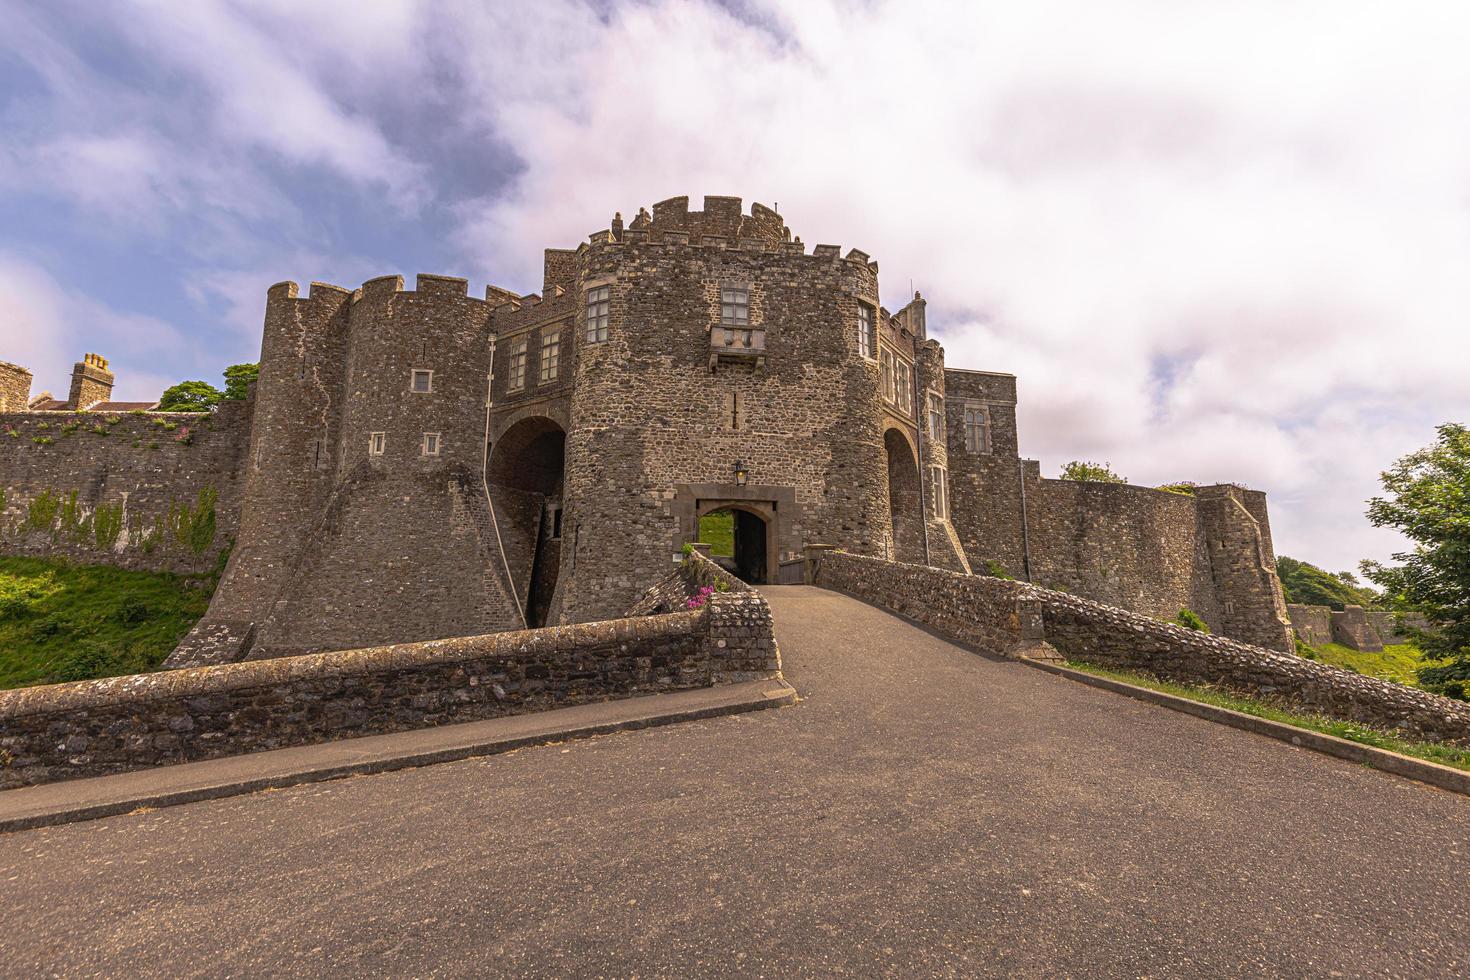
(422, 381)
(377, 442)
(599, 306)
(939, 480)
(867, 332)
(431, 444)
(977, 429)
(734, 306)
(936, 417)
(518, 366)
(550, 355)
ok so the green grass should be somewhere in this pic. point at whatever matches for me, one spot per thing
(718, 531)
(61, 622)
(1397, 662)
(1445, 755)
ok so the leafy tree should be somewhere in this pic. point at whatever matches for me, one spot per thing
(190, 396)
(1428, 499)
(1306, 583)
(1091, 472)
(238, 378)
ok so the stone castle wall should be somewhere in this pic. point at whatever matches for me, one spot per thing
(123, 489)
(997, 616)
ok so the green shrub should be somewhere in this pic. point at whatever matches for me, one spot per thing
(42, 440)
(194, 527)
(84, 661)
(131, 611)
(1190, 620)
(995, 569)
(1185, 487)
(1090, 472)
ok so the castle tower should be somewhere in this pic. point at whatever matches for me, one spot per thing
(717, 366)
(15, 387)
(91, 382)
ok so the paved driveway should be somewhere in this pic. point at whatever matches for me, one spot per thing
(922, 811)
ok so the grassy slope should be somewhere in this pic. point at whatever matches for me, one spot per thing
(1397, 662)
(718, 531)
(1352, 731)
(61, 622)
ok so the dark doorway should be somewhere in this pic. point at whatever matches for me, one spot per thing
(525, 476)
(905, 505)
(737, 540)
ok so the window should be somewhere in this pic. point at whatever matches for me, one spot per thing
(977, 429)
(939, 480)
(554, 514)
(903, 398)
(377, 442)
(550, 355)
(431, 444)
(422, 381)
(734, 306)
(867, 331)
(518, 366)
(936, 417)
(599, 303)
(890, 381)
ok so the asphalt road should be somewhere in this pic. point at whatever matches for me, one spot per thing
(923, 811)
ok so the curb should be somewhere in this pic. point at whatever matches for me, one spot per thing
(1444, 777)
(69, 801)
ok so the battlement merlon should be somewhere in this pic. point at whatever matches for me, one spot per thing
(722, 217)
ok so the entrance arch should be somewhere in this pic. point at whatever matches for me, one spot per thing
(526, 473)
(905, 499)
(742, 537)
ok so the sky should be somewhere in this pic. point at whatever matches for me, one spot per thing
(1217, 242)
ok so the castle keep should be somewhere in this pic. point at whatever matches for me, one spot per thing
(420, 463)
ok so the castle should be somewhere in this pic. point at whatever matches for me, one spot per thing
(422, 463)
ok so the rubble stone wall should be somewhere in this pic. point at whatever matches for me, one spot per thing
(91, 728)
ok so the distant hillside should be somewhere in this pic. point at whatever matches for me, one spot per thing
(1306, 583)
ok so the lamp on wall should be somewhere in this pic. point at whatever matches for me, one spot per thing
(741, 474)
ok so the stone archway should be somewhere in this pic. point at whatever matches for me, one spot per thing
(749, 551)
(526, 472)
(905, 499)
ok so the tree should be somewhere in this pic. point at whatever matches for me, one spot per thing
(238, 378)
(1091, 472)
(1305, 583)
(1428, 499)
(190, 396)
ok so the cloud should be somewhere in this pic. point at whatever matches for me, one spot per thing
(1213, 241)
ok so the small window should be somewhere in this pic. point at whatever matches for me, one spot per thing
(890, 378)
(555, 516)
(518, 366)
(422, 381)
(867, 331)
(431, 444)
(599, 305)
(936, 417)
(939, 480)
(977, 429)
(734, 306)
(903, 397)
(550, 356)
(377, 442)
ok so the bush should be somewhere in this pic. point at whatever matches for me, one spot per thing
(995, 569)
(1090, 472)
(132, 611)
(1190, 620)
(82, 662)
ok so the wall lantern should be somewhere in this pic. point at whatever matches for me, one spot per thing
(741, 474)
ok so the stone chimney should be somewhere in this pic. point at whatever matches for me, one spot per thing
(91, 382)
(15, 387)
